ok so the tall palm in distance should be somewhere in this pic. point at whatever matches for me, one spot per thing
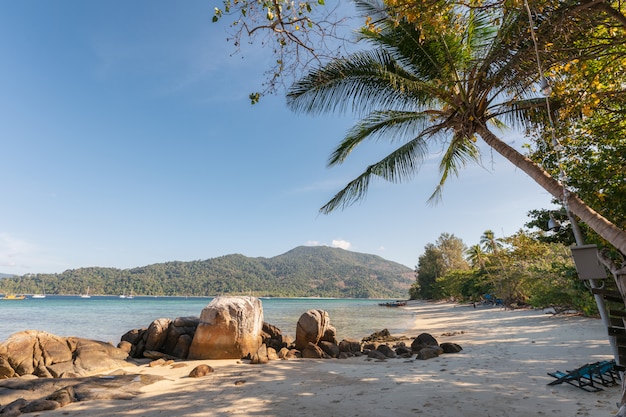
(476, 257)
(422, 89)
(489, 242)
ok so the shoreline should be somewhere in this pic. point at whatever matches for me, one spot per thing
(502, 371)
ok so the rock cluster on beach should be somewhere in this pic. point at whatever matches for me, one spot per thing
(229, 327)
(232, 327)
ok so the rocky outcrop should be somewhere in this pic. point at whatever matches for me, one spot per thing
(225, 325)
(21, 395)
(425, 346)
(424, 340)
(43, 354)
(312, 327)
(229, 328)
(170, 337)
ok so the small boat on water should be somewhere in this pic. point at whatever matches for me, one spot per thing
(41, 295)
(393, 304)
(130, 296)
(13, 297)
(86, 295)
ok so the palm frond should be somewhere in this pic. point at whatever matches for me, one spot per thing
(461, 151)
(391, 125)
(359, 83)
(509, 65)
(401, 164)
(527, 113)
(420, 83)
(420, 52)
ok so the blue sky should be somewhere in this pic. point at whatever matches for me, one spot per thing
(128, 139)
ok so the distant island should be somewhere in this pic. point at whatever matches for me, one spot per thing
(305, 271)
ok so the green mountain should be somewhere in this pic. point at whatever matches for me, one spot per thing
(302, 272)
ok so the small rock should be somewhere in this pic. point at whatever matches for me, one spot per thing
(179, 365)
(376, 354)
(331, 349)
(63, 396)
(429, 352)
(200, 371)
(449, 347)
(158, 362)
(386, 350)
(40, 405)
(403, 351)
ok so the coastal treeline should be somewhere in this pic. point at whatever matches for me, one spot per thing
(527, 268)
(302, 272)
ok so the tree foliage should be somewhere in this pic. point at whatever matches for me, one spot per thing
(298, 33)
(523, 271)
(438, 259)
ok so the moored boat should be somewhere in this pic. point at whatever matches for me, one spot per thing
(86, 295)
(13, 297)
(393, 304)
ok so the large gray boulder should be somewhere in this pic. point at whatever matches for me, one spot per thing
(229, 328)
(156, 334)
(33, 352)
(424, 340)
(170, 337)
(313, 326)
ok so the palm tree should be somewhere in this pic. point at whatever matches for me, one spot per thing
(476, 256)
(422, 88)
(489, 242)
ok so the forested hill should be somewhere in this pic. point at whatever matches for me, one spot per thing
(302, 272)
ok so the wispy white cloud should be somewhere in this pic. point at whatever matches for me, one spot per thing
(336, 243)
(340, 243)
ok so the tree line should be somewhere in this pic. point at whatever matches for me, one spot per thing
(528, 268)
(301, 272)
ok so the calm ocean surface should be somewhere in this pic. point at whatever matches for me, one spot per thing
(107, 318)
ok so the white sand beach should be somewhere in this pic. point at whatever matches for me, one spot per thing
(501, 372)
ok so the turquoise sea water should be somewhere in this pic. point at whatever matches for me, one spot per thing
(107, 318)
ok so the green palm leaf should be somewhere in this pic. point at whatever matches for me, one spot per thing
(423, 85)
(390, 125)
(398, 165)
(461, 151)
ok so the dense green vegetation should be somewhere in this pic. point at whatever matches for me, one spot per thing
(301, 272)
(522, 269)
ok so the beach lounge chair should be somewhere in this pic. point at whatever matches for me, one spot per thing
(588, 376)
(606, 373)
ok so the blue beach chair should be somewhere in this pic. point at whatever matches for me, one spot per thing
(606, 373)
(588, 376)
